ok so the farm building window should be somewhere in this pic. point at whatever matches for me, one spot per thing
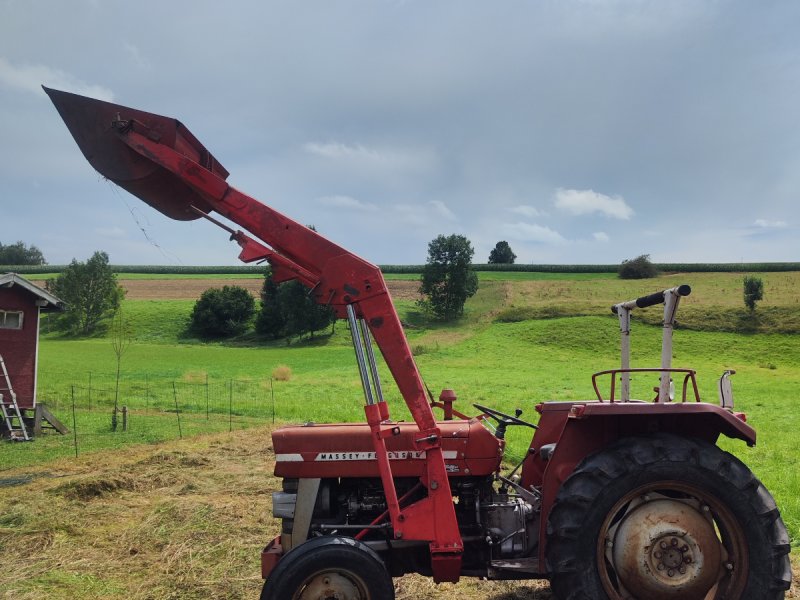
(10, 319)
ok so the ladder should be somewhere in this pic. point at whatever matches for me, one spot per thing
(10, 409)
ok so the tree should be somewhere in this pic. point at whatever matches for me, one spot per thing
(223, 312)
(502, 254)
(19, 254)
(287, 309)
(637, 268)
(447, 278)
(121, 339)
(753, 291)
(270, 321)
(89, 290)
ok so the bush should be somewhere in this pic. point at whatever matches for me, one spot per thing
(637, 268)
(753, 291)
(223, 312)
(282, 373)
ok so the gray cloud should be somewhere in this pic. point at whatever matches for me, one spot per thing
(442, 117)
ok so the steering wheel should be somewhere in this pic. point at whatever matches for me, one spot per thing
(503, 420)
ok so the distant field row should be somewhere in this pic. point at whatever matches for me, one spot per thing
(258, 270)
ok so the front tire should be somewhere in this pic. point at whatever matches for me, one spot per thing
(329, 567)
(666, 518)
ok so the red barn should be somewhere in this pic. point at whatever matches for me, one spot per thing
(20, 305)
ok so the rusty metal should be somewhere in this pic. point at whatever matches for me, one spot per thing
(341, 585)
(671, 541)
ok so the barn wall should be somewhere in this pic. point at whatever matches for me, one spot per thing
(18, 346)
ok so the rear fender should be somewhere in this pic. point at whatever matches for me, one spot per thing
(581, 429)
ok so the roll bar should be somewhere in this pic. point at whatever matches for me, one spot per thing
(670, 298)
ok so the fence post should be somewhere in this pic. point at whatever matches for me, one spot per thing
(206, 396)
(230, 408)
(177, 412)
(74, 423)
(124, 418)
(272, 392)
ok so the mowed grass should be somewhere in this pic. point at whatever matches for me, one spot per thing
(172, 521)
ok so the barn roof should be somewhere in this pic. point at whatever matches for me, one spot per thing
(45, 300)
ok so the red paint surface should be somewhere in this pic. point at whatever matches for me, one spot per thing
(18, 346)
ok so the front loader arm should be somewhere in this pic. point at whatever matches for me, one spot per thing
(159, 160)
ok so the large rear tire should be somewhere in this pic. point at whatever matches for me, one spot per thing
(666, 518)
(329, 567)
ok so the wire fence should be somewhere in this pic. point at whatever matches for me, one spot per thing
(99, 414)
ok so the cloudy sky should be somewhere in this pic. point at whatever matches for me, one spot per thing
(580, 132)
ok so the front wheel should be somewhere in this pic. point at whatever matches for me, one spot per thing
(329, 567)
(666, 518)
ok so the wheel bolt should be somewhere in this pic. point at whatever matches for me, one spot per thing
(687, 560)
(674, 541)
(729, 566)
(682, 570)
(670, 572)
(663, 545)
(684, 548)
(660, 566)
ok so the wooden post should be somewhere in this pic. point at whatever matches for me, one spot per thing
(74, 423)
(124, 418)
(272, 393)
(177, 412)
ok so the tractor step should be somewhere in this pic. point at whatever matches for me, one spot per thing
(501, 569)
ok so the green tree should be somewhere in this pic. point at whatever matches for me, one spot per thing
(270, 321)
(89, 290)
(20, 254)
(223, 312)
(637, 268)
(502, 254)
(447, 278)
(288, 310)
(753, 291)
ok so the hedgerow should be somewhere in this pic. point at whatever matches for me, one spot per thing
(771, 267)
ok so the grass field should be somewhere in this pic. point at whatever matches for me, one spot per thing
(498, 354)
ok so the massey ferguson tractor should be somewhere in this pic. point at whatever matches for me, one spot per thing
(616, 498)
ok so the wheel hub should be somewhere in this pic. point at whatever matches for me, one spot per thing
(331, 586)
(665, 550)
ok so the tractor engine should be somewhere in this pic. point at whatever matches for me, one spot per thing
(495, 525)
(331, 486)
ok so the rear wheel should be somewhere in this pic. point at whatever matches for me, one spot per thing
(328, 568)
(666, 518)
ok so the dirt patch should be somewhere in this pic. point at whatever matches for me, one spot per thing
(191, 289)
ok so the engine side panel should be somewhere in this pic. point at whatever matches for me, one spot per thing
(346, 450)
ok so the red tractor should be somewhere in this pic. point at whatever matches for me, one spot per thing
(615, 498)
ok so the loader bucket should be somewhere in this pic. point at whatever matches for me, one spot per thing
(90, 123)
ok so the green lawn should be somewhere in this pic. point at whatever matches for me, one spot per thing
(502, 364)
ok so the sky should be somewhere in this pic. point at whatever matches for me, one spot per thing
(580, 132)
